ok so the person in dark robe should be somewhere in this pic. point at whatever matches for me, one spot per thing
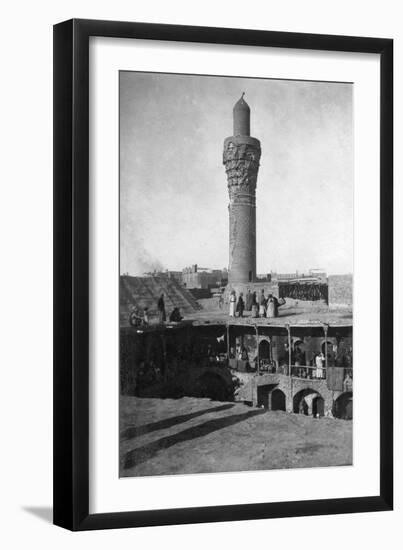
(161, 309)
(240, 305)
(249, 297)
(175, 316)
(255, 307)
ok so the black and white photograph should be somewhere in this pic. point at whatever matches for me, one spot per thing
(201, 217)
(236, 274)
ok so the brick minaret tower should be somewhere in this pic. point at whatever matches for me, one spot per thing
(241, 159)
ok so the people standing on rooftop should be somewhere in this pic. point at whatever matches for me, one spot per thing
(262, 304)
(255, 307)
(240, 305)
(248, 300)
(272, 305)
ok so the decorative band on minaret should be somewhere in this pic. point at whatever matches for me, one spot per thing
(241, 159)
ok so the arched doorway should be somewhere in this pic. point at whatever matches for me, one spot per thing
(263, 393)
(277, 400)
(264, 350)
(343, 406)
(298, 343)
(318, 406)
(308, 402)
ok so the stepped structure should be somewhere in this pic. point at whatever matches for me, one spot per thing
(241, 160)
(145, 291)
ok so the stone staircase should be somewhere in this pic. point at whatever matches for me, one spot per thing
(145, 291)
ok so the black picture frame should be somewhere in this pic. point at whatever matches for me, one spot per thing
(71, 274)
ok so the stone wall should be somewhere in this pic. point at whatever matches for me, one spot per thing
(340, 291)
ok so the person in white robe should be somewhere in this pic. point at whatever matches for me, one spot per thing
(232, 303)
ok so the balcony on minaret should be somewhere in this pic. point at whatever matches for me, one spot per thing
(241, 118)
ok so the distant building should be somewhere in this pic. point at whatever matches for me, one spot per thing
(177, 275)
(318, 275)
(203, 277)
(264, 277)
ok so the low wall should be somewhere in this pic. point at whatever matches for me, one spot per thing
(340, 291)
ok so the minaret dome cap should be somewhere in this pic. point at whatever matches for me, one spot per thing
(241, 104)
(241, 118)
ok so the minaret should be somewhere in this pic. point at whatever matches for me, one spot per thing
(241, 159)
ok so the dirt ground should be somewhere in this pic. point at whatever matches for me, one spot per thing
(292, 312)
(197, 435)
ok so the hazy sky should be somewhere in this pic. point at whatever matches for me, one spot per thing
(173, 188)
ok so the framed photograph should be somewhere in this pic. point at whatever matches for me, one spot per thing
(223, 274)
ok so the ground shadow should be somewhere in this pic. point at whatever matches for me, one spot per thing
(44, 513)
(134, 431)
(145, 452)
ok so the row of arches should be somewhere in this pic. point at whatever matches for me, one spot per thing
(308, 402)
(265, 350)
(270, 397)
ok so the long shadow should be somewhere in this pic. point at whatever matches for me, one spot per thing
(134, 431)
(44, 513)
(145, 452)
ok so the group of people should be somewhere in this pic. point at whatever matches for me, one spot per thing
(305, 291)
(261, 306)
(136, 319)
(175, 316)
(240, 353)
(316, 369)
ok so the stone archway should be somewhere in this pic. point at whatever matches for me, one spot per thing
(318, 406)
(343, 406)
(278, 401)
(264, 395)
(264, 350)
(298, 342)
(308, 402)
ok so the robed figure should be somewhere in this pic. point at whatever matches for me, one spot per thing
(232, 303)
(161, 309)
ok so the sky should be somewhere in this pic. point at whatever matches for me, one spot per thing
(173, 187)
